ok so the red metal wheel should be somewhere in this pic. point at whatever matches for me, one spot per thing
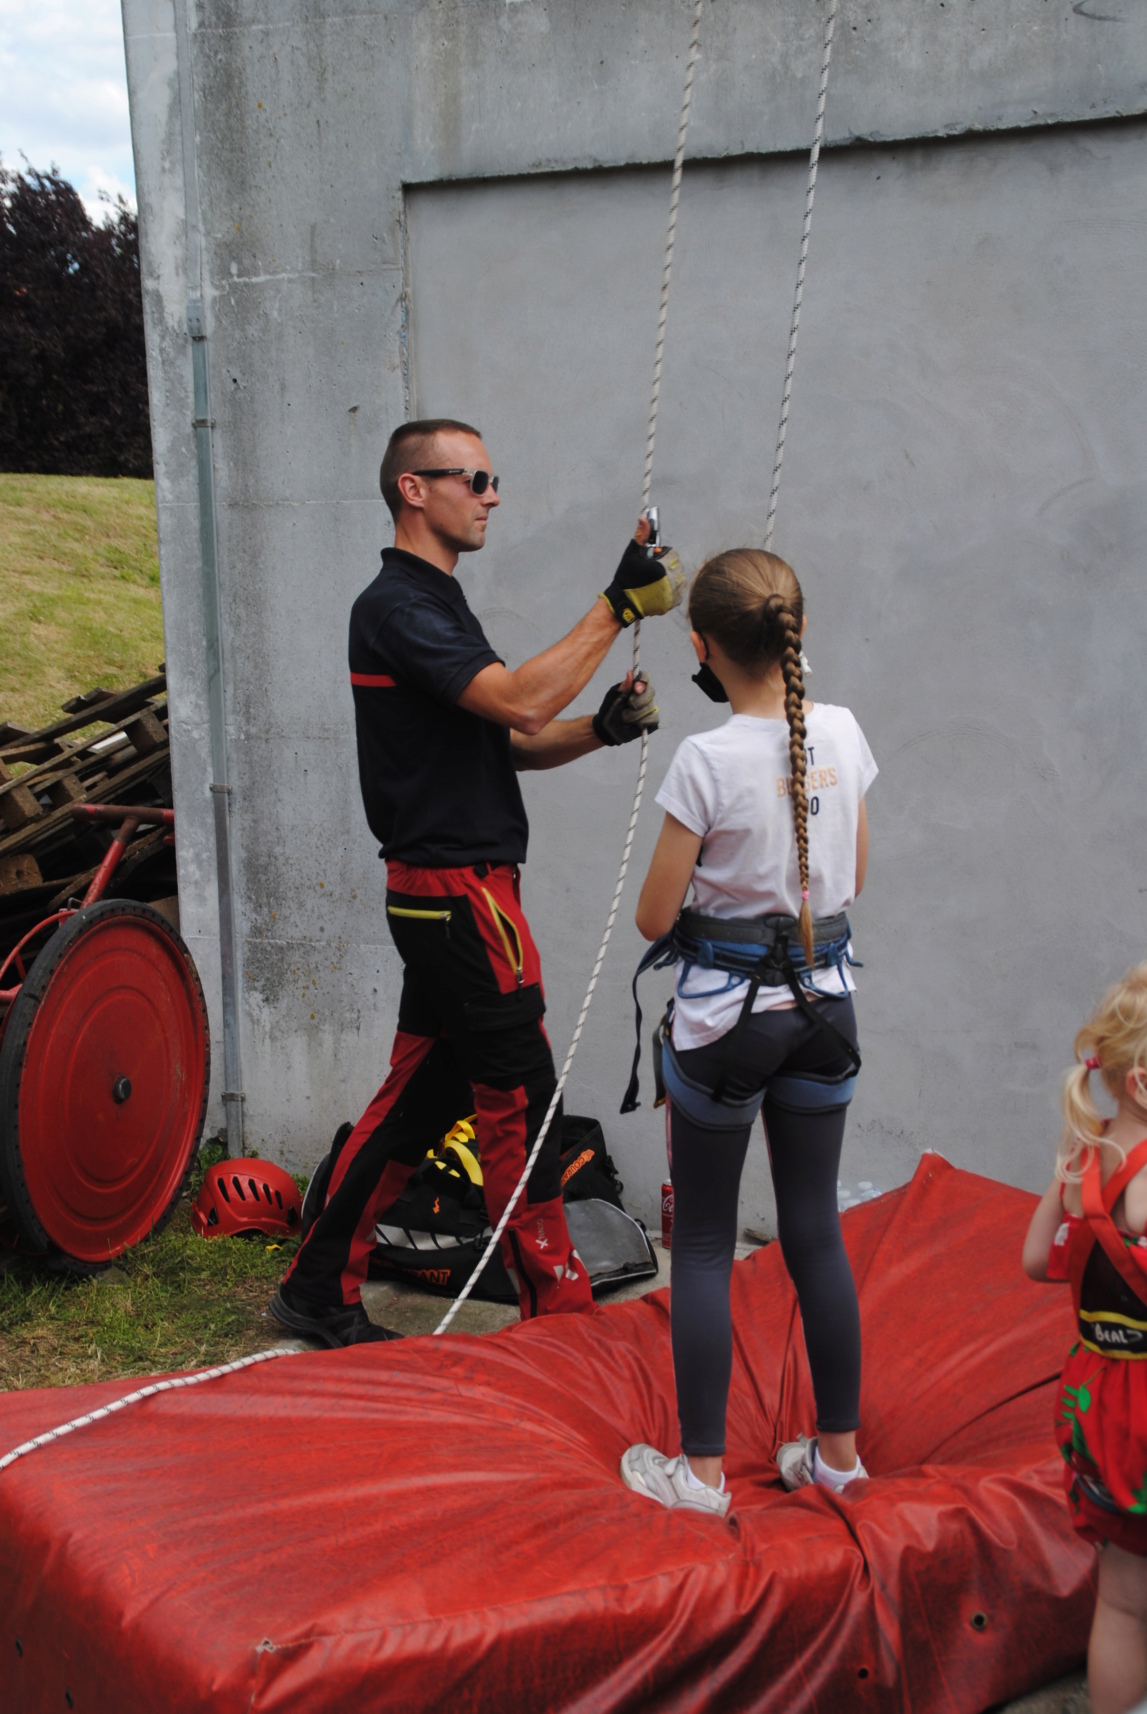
(103, 1083)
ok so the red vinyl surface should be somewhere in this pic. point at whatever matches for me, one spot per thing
(439, 1524)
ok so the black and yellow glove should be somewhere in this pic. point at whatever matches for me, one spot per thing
(648, 581)
(626, 713)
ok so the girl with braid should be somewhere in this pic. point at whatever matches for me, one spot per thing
(765, 818)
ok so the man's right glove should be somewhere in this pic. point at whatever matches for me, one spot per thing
(626, 714)
(648, 581)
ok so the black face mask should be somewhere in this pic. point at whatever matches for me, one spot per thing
(706, 679)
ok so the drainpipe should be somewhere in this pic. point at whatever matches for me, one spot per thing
(203, 425)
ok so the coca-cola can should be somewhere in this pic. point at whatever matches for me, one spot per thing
(666, 1216)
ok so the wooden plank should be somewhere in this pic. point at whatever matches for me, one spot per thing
(89, 699)
(67, 789)
(112, 713)
(34, 753)
(18, 805)
(146, 732)
(19, 872)
(72, 755)
(107, 790)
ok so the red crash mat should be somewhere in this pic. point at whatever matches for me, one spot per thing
(439, 1524)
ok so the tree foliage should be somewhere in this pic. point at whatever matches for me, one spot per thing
(73, 378)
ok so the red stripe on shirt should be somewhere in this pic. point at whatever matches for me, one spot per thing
(373, 681)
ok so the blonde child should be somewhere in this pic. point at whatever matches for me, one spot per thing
(1089, 1231)
(765, 819)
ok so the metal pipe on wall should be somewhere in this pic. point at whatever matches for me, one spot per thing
(203, 424)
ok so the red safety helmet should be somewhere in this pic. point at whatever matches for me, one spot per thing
(246, 1196)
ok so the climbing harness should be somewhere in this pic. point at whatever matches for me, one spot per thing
(646, 491)
(764, 952)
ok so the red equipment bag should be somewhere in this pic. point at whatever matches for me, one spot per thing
(440, 1522)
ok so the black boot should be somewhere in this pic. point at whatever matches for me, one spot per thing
(339, 1324)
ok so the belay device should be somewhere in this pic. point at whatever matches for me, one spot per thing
(764, 952)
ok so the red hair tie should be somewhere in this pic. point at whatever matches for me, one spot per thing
(1092, 1062)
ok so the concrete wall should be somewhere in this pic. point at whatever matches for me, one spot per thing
(385, 226)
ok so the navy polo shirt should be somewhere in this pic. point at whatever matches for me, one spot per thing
(438, 784)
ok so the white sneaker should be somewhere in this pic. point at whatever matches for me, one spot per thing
(796, 1465)
(649, 1472)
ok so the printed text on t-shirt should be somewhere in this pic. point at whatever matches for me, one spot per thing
(816, 780)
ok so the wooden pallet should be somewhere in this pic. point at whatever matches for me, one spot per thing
(46, 858)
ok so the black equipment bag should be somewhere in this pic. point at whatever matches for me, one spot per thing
(434, 1235)
(586, 1169)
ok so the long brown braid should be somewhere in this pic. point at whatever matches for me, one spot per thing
(750, 603)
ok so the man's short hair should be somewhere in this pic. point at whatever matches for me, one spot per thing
(408, 449)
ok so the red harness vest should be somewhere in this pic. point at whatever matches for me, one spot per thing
(1104, 1322)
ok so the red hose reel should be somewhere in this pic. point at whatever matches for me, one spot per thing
(104, 1068)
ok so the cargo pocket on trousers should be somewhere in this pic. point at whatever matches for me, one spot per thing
(506, 1046)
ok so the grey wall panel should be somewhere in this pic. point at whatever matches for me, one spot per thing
(452, 88)
(962, 493)
(963, 497)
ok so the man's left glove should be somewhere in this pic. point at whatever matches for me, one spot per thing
(626, 714)
(648, 581)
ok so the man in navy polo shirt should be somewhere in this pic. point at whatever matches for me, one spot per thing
(443, 728)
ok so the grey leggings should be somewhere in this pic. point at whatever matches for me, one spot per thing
(804, 1153)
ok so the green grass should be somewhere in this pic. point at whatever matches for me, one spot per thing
(79, 590)
(79, 595)
(177, 1301)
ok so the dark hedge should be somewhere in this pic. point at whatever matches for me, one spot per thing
(73, 378)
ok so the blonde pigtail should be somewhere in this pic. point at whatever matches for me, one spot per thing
(1082, 1124)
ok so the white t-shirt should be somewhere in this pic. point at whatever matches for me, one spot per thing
(731, 786)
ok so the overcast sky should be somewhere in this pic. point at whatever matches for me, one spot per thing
(63, 93)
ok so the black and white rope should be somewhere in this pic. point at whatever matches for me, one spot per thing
(646, 490)
(790, 362)
(171, 1385)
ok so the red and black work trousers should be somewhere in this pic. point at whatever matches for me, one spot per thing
(470, 1039)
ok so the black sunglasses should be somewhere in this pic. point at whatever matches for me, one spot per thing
(478, 480)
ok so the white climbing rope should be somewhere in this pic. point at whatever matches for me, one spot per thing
(670, 240)
(810, 192)
(147, 1392)
(646, 489)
